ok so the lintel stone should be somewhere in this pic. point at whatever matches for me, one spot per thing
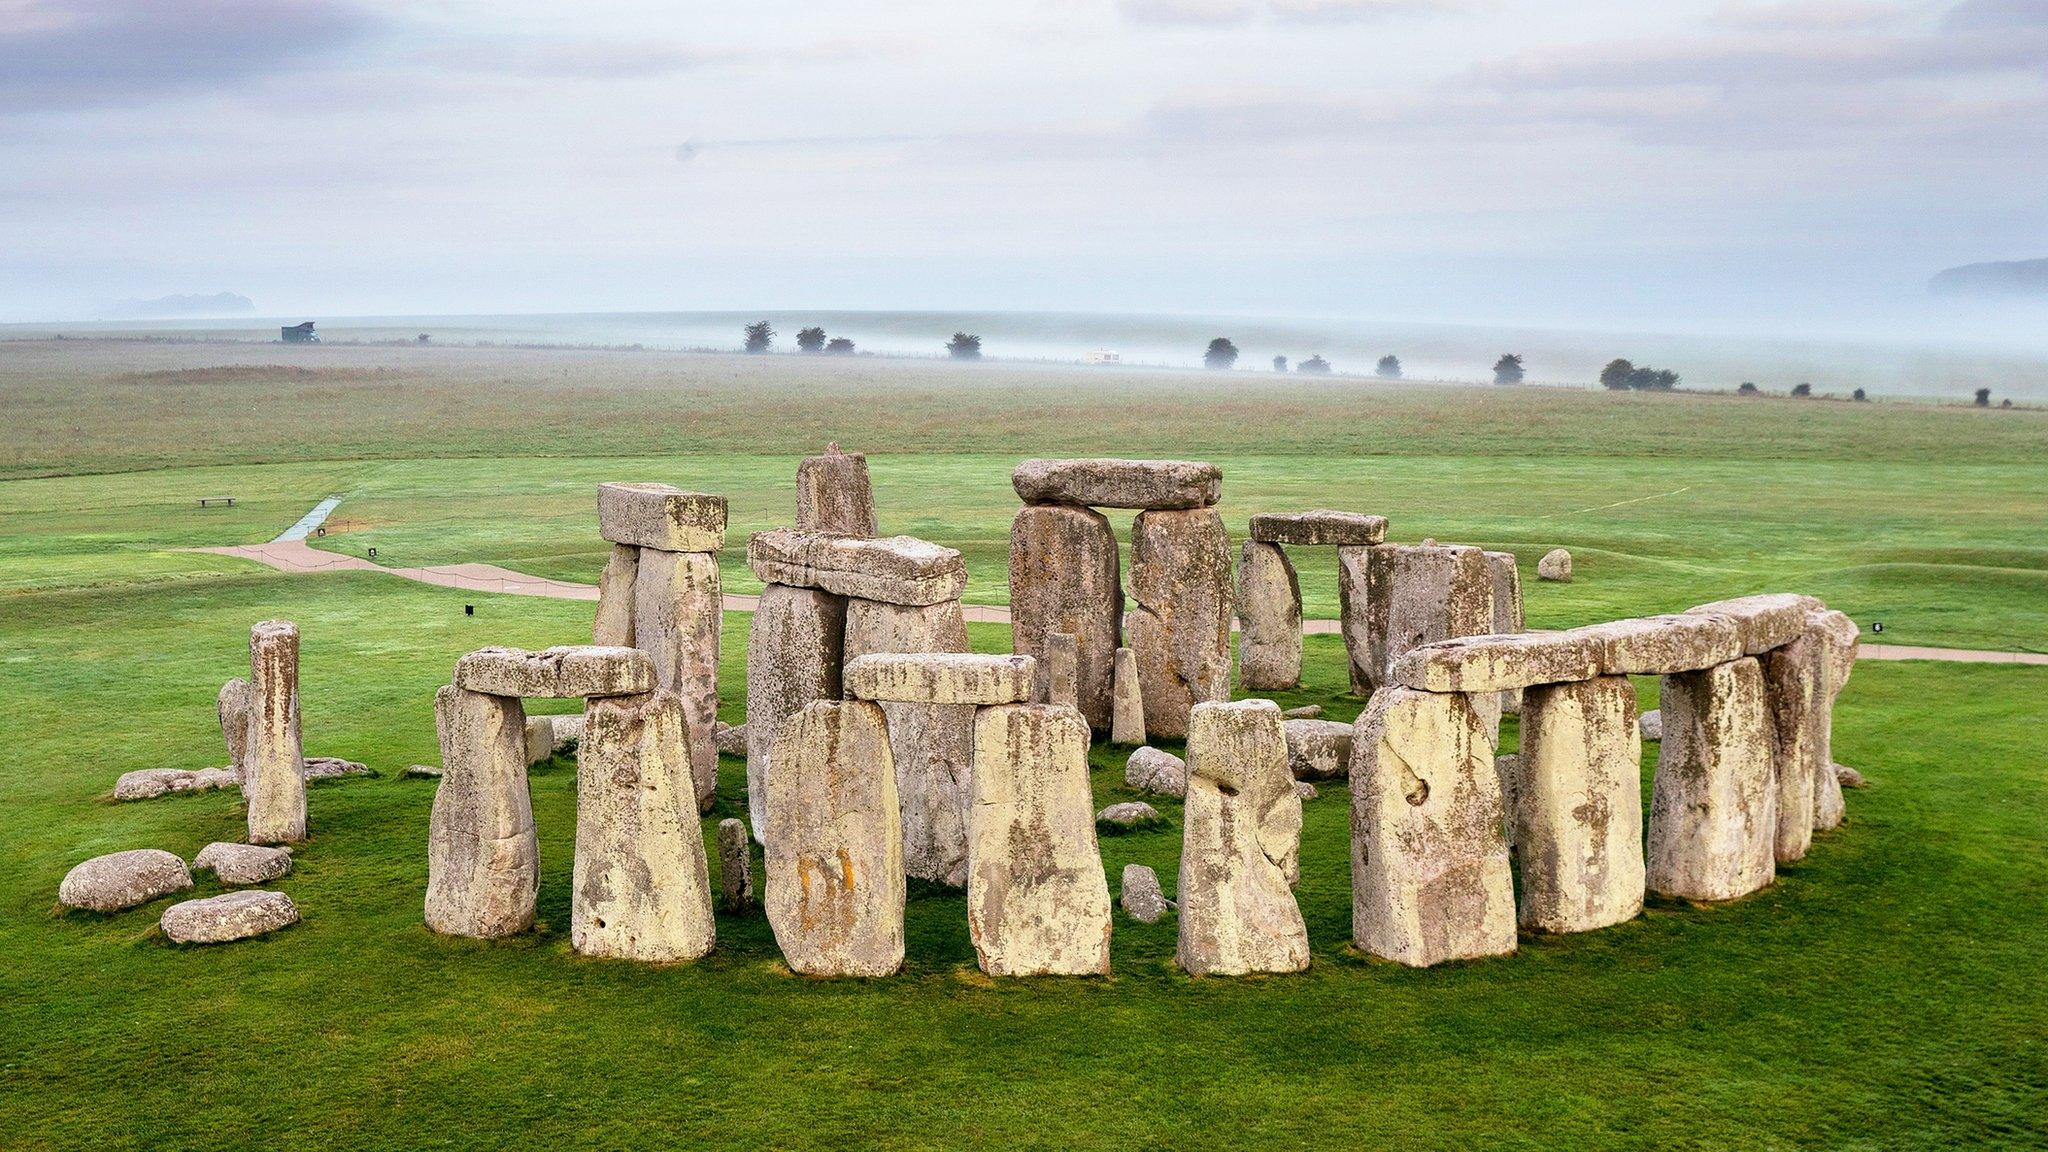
(660, 516)
(1150, 485)
(1497, 663)
(556, 673)
(939, 678)
(894, 569)
(1321, 527)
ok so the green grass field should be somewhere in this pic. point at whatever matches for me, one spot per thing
(1886, 993)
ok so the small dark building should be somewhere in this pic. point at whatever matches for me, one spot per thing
(299, 333)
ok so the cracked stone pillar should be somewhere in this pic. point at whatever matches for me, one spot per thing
(614, 625)
(483, 861)
(1354, 612)
(1269, 612)
(1713, 817)
(1841, 636)
(1240, 851)
(678, 614)
(1796, 689)
(1578, 806)
(932, 744)
(834, 495)
(1066, 576)
(276, 759)
(834, 856)
(1180, 628)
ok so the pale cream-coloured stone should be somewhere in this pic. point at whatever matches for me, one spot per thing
(1129, 814)
(895, 569)
(1555, 565)
(565, 672)
(678, 616)
(1127, 724)
(1305, 712)
(1840, 636)
(660, 516)
(1062, 661)
(1496, 663)
(1162, 773)
(1321, 527)
(795, 647)
(123, 879)
(242, 863)
(1796, 690)
(1763, 622)
(834, 494)
(931, 743)
(540, 738)
(939, 678)
(1066, 576)
(1577, 806)
(1037, 899)
(1240, 853)
(1713, 819)
(1103, 483)
(1317, 749)
(1429, 864)
(1662, 645)
(1269, 619)
(641, 889)
(1355, 615)
(149, 783)
(735, 866)
(834, 844)
(1180, 627)
(1142, 899)
(232, 706)
(613, 627)
(228, 917)
(483, 860)
(276, 770)
(332, 768)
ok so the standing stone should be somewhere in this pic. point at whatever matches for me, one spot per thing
(1578, 806)
(1507, 612)
(1037, 899)
(834, 495)
(483, 861)
(1240, 853)
(677, 618)
(1795, 688)
(932, 744)
(1127, 723)
(735, 866)
(1713, 819)
(232, 706)
(1065, 576)
(1354, 612)
(1422, 593)
(1142, 899)
(1062, 662)
(641, 887)
(793, 657)
(276, 760)
(615, 596)
(1555, 565)
(1269, 612)
(1180, 628)
(834, 856)
(1840, 636)
(1430, 879)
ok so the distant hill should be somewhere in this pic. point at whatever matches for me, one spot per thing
(218, 304)
(2001, 278)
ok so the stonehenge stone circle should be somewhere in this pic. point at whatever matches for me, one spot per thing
(276, 769)
(931, 742)
(483, 859)
(678, 614)
(1241, 845)
(1555, 565)
(233, 705)
(1180, 626)
(1142, 898)
(834, 495)
(1037, 899)
(1127, 721)
(660, 518)
(1577, 806)
(1062, 664)
(1317, 749)
(242, 863)
(123, 880)
(1321, 527)
(894, 570)
(1161, 773)
(1713, 820)
(1149, 485)
(613, 627)
(1269, 618)
(231, 916)
(940, 678)
(794, 649)
(1066, 576)
(735, 866)
(834, 843)
(556, 673)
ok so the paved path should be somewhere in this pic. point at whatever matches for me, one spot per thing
(297, 556)
(309, 521)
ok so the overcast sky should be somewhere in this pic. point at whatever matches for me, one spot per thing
(1666, 163)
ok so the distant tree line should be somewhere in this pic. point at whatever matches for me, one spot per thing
(1622, 376)
(810, 341)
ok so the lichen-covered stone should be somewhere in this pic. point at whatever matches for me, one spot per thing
(1100, 483)
(613, 627)
(794, 650)
(931, 743)
(1577, 806)
(1713, 819)
(243, 863)
(1180, 627)
(1661, 645)
(735, 866)
(1507, 612)
(939, 678)
(1355, 617)
(1796, 689)
(834, 494)
(123, 879)
(1317, 749)
(1305, 712)
(1430, 878)
(834, 842)
(1321, 527)
(276, 768)
(1129, 814)
(540, 738)
(1496, 663)
(731, 739)
(1240, 856)
(483, 860)
(334, 768)
(1839, 636)
(1142, 898)
(566, 672)
(232, 706)
(1065, 576)
(660, 516)
(1127, 721)
(1305, 790)
(1269, 619)
(678, 615)
(1418, 594)
(895, 569)
(1651, 724)
(228, 917)
(1763, 622)
(1556, 564)
(1062, 670)
(1161, 773)
(149, 783)
(1037, 899)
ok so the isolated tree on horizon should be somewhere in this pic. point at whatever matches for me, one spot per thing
(1859, 396)
(760, 337)
(1279, 363)
(964, 347)
(1508, 369)
(1748, 389)
(1389, 368)
(1314, 366)
(811, 340)
(1221, 354)
(1802, 389)
(1616, 377)
(1647, 379)
(1983, 397)
(839, 346)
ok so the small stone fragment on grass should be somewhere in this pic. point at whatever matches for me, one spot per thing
(1305, 790)
(732, 739)
(242, 863)
(1151, 770)
(233, 916)
(421, 772)
(1651, 724)
(1128, 816)
(1142, 899)
(1849, 777)
(1555, 565)
(735, 866)
(123, 879)
(149, 783)
(1305, 712)
(335, 768)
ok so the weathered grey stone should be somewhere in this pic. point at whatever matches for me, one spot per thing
(483, 861)
(123, 879)
(1142, 484)
(1355, 616)
(1240, 854)
(1840, 636)
(1507, 767)
(1180, 628)
(1430, 879)
(1143, 900)
(1127, 723)
(1037, 899)
(641, 889)
(228, 917)
(421, 772)
(568, 731)
(276, 768)
(1062, 661)
(660, 516)
(320, 768)
(1160, 773)
(1496, 663)
(1305, 712)
(1848, 777)
(1763, 622)
(149, 783)
(735, 866)
(1269, 618)
(1796, 690)
(794, 652)
(1065, 576)
(834, 858)
(1418, 594)
(540, 738)
(834, 495)
(1555, 565)
(1321, 527)
(1507, 612)
(678, 615)
(1129, 814)
(1305, 790)
(556, 673)
(1713, 824)
(1651, 724)
(896, 569)
(932, 744)
(939, 678)
(1661, 645)
(232, 706)
(1578, 806)
(731, 739)
(1317, 749)
(613, 627)
(243, 863)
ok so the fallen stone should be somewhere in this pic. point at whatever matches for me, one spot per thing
(1578, 806)
(1269, 619)
(1037, 899)
(149, 783)
(276, 768)
(1063, 672)
(1305, 712)
(731, 740)
(678, 615)
(1661, 645)
(1143, 484)
(1065, 576)
(660, 517)
(1127, 815)
(1555, 565)
(1240, 856)
(1161, 773)
(1849, 777)
(795, 647)
(834, 494)
(1180, 627)
(1796, 691)
(1429, 864)
(1355, 611)
(613, 627)
(1763, 622)
(735, 866)
(483, 860)
(1317, 749)
(228, 917)
(834, 859)
(242, 863)
(1142, 899)
(334, 768)
(421, 772)
(932, 744)
(123, 879)
(556, 673)
(895, 570)
(1127, 722)
(1713, 827)
(232, 706)
(1496, 663)
(1419, 594)
(1321, 527)
(1305, 790)
(1651, 724)
(940, 678)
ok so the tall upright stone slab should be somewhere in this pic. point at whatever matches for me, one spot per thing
(1577, 806)
(1796, 690)
(483, 861)
(1355, 614)
(1422, 593)
(794, 649)
(1507, 612)
(932, 744)
(613, 627)
(1241, 846)
(1127, 724)
(1062, 661)
(232, 705)
(1713, 811)
(1430, 879)
(834, 495)
(276, 759)
(1840, 636)
(1065, 576)
(834, 851)
(678, 613)
(1180, 628)
(642, 890)
(1037, 899)
(1269, 615)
